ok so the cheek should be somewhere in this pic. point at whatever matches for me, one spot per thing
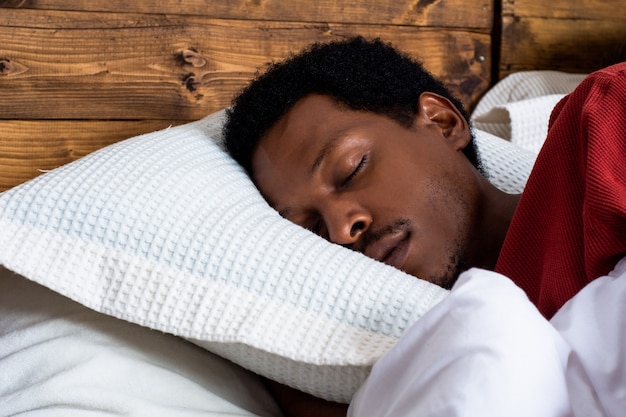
(441, 228)
(441, 210)
(432, 196)
(447, 195)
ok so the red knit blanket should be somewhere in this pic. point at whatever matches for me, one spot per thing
(570, 225)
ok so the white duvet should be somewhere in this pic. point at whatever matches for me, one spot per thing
(486, 351)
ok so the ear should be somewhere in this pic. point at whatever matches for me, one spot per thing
(439, 112)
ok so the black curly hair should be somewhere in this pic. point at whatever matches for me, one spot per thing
(364, 75)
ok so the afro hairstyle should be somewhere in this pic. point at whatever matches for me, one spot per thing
(363, 75)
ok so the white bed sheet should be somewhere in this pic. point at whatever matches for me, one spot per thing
(486, 351)
(60, 359)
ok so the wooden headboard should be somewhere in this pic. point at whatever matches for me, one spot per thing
(564, 35)
(77, 75)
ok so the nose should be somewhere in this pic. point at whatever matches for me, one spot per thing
(346, 222)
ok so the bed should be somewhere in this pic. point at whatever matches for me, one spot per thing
(158, 281)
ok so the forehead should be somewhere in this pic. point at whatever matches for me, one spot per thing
(312, 126)
(312, 119)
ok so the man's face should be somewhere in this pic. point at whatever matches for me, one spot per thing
(403, 196)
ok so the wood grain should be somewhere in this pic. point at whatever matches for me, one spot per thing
(86, 65)
(534, 43)
(566, 9)
(29, 148)
(566, 35)
(433, 13)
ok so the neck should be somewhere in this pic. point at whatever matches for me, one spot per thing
(493, 223)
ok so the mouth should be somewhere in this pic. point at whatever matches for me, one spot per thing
(392, 249)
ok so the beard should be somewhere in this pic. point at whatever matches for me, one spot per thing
(450, 270)
(457, 264)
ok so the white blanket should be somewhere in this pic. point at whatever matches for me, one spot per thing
(486, 351)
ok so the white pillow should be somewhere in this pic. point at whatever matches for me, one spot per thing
(507, 166)
(166, 231)
(59, 358)
(518, 107)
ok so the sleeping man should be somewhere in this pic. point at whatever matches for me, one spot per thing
(356, 142)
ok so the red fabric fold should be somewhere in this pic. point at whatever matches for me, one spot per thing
(570, 225)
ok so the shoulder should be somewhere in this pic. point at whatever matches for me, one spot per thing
(601, 95)
(610, 73)
(607, 81)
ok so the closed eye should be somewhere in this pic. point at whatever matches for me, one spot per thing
(355, 172)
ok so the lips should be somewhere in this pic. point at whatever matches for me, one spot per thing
(392, 248)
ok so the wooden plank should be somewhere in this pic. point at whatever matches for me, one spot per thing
(571, 45)
(449, 13)
(28, 148)
(567, 9)
(72, 65)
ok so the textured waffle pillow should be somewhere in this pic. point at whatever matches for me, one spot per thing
(166, 231)
(518, 107)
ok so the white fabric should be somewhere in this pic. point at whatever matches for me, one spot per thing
(486, 351)
(594, 324)
(166, 231)
(518, 107)
(507, 166)
(58, 358)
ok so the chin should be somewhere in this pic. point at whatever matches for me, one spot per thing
(447, 279)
